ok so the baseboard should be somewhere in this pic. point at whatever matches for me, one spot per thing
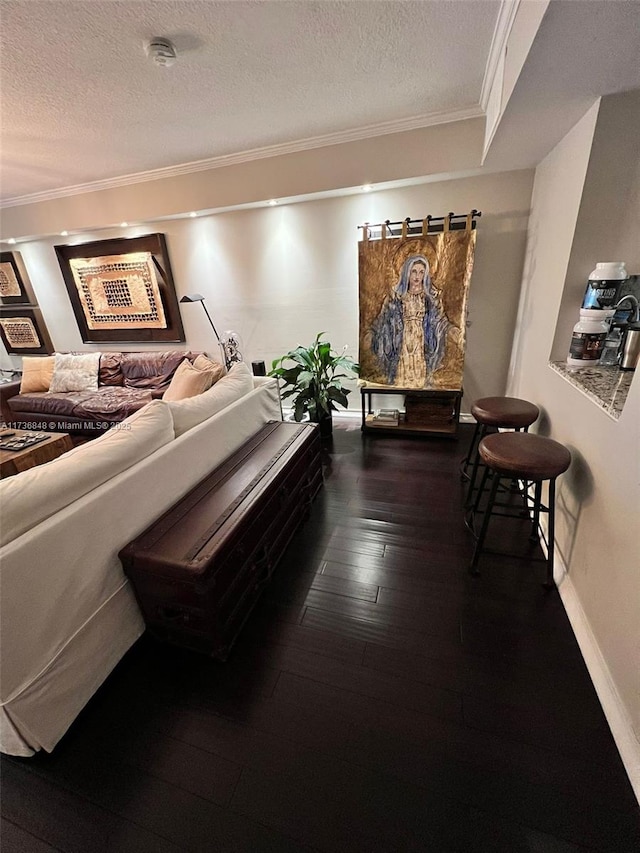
(348, 414)
(612, 705)
(465, 418)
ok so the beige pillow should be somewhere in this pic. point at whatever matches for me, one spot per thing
(203, 362)
(189, 380)
(75, 372)
(189, 413)
(38, 493)
(37, 373)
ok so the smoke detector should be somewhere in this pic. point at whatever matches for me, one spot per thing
(161, 51)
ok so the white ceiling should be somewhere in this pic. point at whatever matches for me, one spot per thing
(81, 102)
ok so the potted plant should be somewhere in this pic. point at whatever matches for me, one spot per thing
(314, 381)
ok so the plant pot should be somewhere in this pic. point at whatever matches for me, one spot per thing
(326, 426)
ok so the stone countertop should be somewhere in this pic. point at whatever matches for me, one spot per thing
(606, 386)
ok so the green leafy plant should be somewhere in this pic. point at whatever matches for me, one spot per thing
(314, 381)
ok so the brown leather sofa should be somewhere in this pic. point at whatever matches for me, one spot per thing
(127, 381)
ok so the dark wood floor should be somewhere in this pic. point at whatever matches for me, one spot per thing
(379, 699)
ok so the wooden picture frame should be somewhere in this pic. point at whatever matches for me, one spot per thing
(122, 290)
(23, 331)
(15, 287)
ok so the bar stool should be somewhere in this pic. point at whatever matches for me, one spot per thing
(494, 413)
(528, 457)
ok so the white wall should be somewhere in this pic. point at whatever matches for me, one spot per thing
(598, 499)
(278, 275)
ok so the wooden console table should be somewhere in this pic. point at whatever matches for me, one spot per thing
(426, 413)
(14, 461)
(199, 569)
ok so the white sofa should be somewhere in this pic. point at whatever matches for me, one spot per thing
(68, 613)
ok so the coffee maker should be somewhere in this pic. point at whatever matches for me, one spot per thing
(630, 347)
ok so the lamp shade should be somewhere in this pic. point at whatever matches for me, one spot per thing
(198, 297)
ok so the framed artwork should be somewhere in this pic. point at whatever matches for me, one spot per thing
(122, 290)
(15, 287)
(23, 331)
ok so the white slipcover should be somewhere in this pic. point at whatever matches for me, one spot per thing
(67, 612)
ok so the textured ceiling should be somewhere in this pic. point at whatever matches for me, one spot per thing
(81, 102)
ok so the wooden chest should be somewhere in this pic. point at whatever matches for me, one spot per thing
(199, 569)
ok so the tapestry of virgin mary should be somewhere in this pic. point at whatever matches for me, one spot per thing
(413, 305)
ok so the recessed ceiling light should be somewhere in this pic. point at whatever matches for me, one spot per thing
(11, 240)
(273, 202)
(124, 224)
(367, 188)
(193, 214)
(64, 233)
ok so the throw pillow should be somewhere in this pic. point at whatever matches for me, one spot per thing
(75, 372)
(231, 387)
(203, 362)
(36, 373)
(189, 380)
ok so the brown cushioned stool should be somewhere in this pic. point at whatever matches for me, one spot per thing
(521, 456)
(494, 413)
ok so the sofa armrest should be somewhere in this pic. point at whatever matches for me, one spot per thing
(8, 390)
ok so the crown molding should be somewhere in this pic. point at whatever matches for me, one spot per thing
(504, 22)
(367, 132)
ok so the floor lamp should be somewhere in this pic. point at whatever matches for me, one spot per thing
(198, 297)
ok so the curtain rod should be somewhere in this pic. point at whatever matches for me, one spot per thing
(430, 224)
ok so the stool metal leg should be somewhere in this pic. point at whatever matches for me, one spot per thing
(550, 584)
(476, 464)
(472, 511)
(485, 520)
(483, 485)
(467, 460)
(537, 503)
